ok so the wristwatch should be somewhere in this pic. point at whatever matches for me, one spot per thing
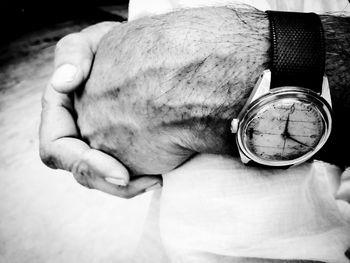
(288, 116)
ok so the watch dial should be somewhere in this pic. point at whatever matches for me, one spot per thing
(284, 129)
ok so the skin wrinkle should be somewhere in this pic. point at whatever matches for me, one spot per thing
(177, 80)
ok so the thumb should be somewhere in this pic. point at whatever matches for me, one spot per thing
(74, 55)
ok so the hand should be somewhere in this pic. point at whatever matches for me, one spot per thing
(60, 143)
(157, 95)
(166, 87)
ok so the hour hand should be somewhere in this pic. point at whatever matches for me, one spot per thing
(285, 132)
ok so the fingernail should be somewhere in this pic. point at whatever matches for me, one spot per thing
(65, 73)
(115, 181)
(154, 187)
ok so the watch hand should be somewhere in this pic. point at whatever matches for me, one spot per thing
(285, 132)
(297, 141)
(284, 143)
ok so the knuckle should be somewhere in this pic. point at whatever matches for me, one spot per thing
(82, 174)
(81, 170)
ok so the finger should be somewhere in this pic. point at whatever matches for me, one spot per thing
(101, 165)
(134, 188)
(56, 116)
(74, 54)
(140, 185)
(91, 179)
(60, 144)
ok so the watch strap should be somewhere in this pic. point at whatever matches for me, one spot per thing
(297, 50)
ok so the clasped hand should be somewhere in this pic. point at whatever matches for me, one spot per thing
(161, 89)
(61, 146)
(146, 109)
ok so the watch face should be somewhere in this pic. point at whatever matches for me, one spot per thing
(283, 131)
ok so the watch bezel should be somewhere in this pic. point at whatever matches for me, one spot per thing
(296, 93)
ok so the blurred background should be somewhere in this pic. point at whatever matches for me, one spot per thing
(21, 19)
(45, 216)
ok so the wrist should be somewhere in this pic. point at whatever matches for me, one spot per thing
(337, 40)
(225, 101)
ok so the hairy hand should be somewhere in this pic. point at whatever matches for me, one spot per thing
(60, 143)
(166, 87)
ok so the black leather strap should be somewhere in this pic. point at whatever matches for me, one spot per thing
(297, 50)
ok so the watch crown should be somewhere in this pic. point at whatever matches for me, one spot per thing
(234, 125)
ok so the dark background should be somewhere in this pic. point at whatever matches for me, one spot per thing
(28, 27)
(20, 17)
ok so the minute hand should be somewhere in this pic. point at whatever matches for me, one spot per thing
(297, 141)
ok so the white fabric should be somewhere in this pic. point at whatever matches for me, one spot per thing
(140, 8)
(214, 209)
(219, 206)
